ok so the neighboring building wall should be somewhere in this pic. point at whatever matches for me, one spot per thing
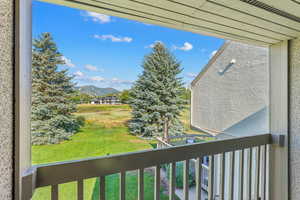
(6, 99)
(294, 118)
(220, 100)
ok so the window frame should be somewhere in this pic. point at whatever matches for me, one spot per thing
(279, 179)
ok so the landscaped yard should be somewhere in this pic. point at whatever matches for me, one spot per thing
(104, 133)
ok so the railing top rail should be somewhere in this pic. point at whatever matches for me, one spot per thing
(64, 172)
(190, 135)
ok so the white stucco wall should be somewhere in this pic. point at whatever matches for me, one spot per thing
(221, 100)
(294, 118)
(6, 99)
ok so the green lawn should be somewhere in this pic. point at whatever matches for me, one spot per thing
(112, 189)
(86, 108)
(93, 140)
(105, 133)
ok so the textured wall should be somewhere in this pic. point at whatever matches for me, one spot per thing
(221, 100)
(294, 61)
(6, 107)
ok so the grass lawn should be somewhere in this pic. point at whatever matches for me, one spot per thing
(112, 189)
(105, 133)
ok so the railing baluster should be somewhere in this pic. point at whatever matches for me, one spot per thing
(211, 178)
(172, 181)
(122, 185)
(249, 173)
(241, 175)
(157, 183)
(54, 192)
(264, 171)
(198, 178)
(231, 175)
(222, 175)
(80, 190)
(102, 187)
(141, 184)
(257, 173)
(186, 179)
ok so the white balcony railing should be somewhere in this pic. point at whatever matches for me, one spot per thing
(254, 187)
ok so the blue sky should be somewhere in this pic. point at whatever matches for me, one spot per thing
(107, 51)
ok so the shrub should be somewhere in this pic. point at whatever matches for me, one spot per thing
(80, 120)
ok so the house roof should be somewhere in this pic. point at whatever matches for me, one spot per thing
(210, 62)
(260, 22)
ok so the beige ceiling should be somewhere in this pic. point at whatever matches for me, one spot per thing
(262, 22)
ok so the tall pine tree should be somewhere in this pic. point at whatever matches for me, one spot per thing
(51, 120)
(156, 97)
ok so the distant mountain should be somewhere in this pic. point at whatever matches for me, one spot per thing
(95, 91)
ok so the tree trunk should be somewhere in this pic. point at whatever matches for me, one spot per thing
(166, 130)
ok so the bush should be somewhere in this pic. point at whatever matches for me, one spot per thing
(80, 120)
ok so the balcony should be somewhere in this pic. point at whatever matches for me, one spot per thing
(238, 169)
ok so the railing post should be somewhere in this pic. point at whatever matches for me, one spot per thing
(186, 168)
(279, 166)
(141, 184)
(211, 177)
(102, 187)
(28, 183)
(22, 84)
(54, 192)
(122, 185)
(80, 189)
(157, 183)
(198, 172)
(172, 181)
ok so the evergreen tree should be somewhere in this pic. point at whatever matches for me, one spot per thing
(156, 97)
(52, 90)
(124, 96)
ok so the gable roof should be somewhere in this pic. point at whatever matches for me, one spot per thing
(210, 62)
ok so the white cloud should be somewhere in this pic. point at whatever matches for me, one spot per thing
(97, 17)
(92, 68)
(119, 81)
(153, 44)
(67, 61)
(186, 47)
(97, 78)
(79, 74)
(213, 53)
(103, 82)
(191, 75)
(113, 38)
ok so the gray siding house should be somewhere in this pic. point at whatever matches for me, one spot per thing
(230, 99)
(230, 95)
